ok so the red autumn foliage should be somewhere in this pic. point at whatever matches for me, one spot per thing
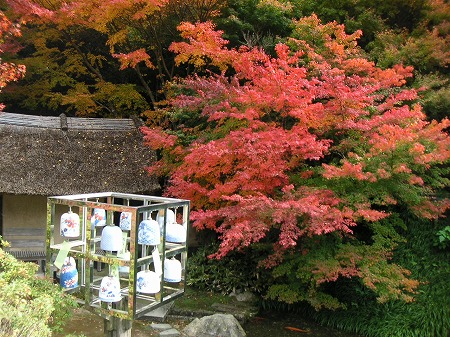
(9, 72)
(282, 139)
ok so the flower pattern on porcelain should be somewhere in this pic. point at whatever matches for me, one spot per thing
(149, 233)
(110, 289)
(125, 221)
(71, 283)
(98, 217)
(140, 282)
(68, 275)
(148, 282)
(70, 224)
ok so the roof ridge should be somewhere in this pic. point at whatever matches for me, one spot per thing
(63, 122)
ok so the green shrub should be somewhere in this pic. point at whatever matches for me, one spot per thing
(443, 238)
(236, 271)
(428, 315)
(29, 305)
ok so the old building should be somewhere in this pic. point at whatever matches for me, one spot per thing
(46, 156)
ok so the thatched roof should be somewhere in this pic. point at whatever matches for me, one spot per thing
(64, 155)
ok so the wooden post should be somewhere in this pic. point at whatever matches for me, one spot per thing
(117, 327)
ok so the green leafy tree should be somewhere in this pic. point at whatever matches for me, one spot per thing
(261, 22)
(97, 58)
(256, 23)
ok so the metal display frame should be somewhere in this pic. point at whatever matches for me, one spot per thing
(85, 250)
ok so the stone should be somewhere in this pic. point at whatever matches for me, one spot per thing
(170, 333)
(161, 326)
(159, 314)
(223, 325)
(246, 296)
(242, 310)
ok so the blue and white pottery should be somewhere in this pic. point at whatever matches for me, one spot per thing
(172, 270)
(68, 276)
(160, 218)
(98, 218)
(148, 282)
(70, 225)
(149, 233)
(110, 289)
(175, 233)
(125, 221)
(124, 256)
(111, 238)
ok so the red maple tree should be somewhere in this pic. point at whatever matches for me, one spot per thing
(311, 143)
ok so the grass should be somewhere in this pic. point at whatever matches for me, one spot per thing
(194, 299)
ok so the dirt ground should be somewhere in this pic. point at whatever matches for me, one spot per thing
(262, 325)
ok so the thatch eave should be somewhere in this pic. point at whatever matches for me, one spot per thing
(39, 156)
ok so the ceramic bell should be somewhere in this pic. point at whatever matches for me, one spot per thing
(148, 282)
(124, 256)
(175, 233)
(111, 238)
(149, 233)
(125, 221)
(160, 218)
(98, 217)
(68, 276)
(172, 270)
(110, 289)
(70, 225)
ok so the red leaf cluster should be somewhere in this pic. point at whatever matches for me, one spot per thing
(132, 59)
(9, 72)
(266, 161)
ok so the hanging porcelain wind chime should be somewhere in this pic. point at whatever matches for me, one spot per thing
(170, 217)
(110, 289)
(111, 239)
(148, 282)
(68, 277)
(70, 224)
(149, 233)
(98, 218)
(125, 219)
(175, 233)
(172, 270)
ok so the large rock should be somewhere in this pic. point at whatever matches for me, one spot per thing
(217, 325)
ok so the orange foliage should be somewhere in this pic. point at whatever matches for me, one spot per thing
(9, 72)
